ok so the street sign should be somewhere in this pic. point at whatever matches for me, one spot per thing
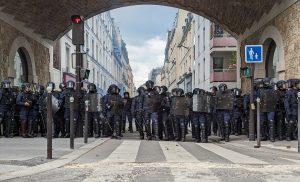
(254, 54)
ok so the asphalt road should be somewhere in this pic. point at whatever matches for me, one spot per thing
(130, 159)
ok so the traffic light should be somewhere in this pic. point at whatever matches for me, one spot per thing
(246, 72)
(77, 30)
(84, 74)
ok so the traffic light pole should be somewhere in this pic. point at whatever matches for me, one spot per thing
(251, 113)
(78, 68)
(49, 124)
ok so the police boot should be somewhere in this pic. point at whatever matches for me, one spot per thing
(279, 131)
(166, 131)
(9, 129)
(24, 129)
(197, 133)
(203, 134)
(96, 129)
(227, 132)
(156, 132)
(183, 132)
(289, 131)
(272, 132)
(148, 130)
(236, 129)
(118, 130)
(193, 131)
(295, 131)
(30, 129)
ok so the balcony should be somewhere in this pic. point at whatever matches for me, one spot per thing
(223, 75)
(223, 42)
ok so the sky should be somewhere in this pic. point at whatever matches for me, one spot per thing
(144, 30)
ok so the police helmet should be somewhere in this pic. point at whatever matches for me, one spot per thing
(157, 89)
(51, 85)
(114, 89)
(291, 83)
(126, 95)
(189, 94)
(180, 92)
(213, 89)
(70, 84)
(92, 88)
(26, 87)
(174, 92)
(281, 84)
(267, 82)
(40, 89)
(62, 86)
(198, 91)
(149, 84)
(237, 92)
(222, 87)
(141, 90)
(5, 84)
(164, 89)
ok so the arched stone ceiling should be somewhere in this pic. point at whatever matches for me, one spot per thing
(51, 18)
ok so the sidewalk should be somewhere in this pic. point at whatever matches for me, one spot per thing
(20, 153)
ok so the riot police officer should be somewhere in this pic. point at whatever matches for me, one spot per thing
(151, 107)
(268, 108)
(6, 108)
(280, 110)
(237, 111)
(224, 106)
(291, 108)
(25, 102)
(93, 109)
(179, 110)
(200, 108)
(137, 111)
(213, 111)
(165, 112)
(65, 97)
(114, 107)
(189, 112)
(126, 114)
(41, 111)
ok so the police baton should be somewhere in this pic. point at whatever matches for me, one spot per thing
(49, 123)
(258, 124)
(72, 122)
(86, 122)
(298, 122)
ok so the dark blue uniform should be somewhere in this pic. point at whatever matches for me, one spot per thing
(291, 109)
(25, 102)
(6, 111)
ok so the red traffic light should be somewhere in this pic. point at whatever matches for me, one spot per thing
(76, 19)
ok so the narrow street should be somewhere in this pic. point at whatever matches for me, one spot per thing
(130, 159)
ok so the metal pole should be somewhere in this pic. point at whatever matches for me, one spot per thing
(251, 113)
(49, 124)
(298, 122)
(258, 123)
(86, 122)
(79, 65)
(72, 122)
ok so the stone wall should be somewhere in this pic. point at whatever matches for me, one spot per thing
(10, 40)
(288, 25)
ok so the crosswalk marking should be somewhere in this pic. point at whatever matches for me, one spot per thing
(175, 153)
(230, 155)
(126, 152)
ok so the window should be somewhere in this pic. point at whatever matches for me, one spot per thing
(199, 74)
(204, 38)
(93, 49)
(67, 58)
(218, 64)
(204, 70)
(97, 58)
(87, 41)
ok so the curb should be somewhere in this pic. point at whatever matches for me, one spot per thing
(56, 163)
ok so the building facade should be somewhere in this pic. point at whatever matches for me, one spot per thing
(198, 54)
(104, 56)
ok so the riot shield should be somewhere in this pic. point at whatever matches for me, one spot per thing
(268, 101)
(224, 100)
(200, 103)
(94, 103)
(179, 106)
(55, 104)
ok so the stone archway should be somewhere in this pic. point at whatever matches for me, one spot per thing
(22, 46)
(272, 41)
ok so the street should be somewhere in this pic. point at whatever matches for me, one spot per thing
(130, 159)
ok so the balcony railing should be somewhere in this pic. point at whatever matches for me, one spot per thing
(223, 42)
(223, 75)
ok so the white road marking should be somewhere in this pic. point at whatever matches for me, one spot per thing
(292, 149)
(126, 152)
(175, 153)
(291, 160)
(230, 155)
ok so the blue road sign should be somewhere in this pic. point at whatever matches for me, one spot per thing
(254, 53)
